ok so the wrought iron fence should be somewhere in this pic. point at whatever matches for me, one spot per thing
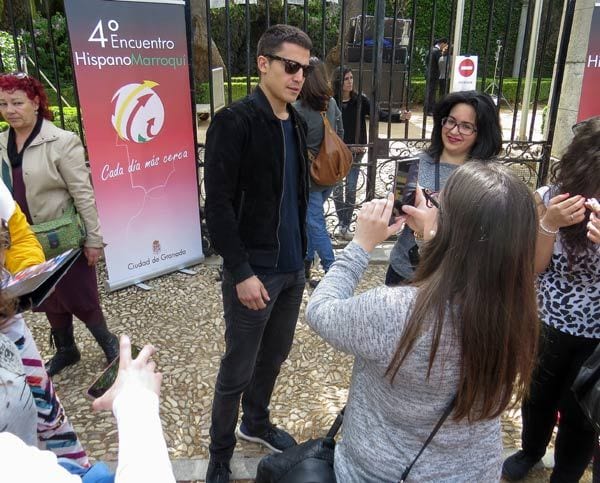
(385, 42)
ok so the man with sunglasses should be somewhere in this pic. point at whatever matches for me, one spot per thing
(256, 179)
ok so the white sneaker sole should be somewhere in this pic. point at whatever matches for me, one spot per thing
(254, 439)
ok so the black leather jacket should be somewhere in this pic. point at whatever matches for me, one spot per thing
(243, 178)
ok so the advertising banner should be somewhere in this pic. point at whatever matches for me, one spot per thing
(589, 103)
(464, 77)
(131, 67)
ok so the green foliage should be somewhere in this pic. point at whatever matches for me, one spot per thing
(67, 92)
(43, 46)
(258, 24)
(478, 37)
(7, 47)
(238, 91)
(476, 25)
(70, 115)
(509, 89)
(417, 90)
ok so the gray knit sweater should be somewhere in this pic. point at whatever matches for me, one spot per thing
(385, 425)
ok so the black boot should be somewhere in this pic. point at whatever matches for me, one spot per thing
(67, 352)
(108, 342)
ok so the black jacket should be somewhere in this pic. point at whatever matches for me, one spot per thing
(350, 113)
(243, 179)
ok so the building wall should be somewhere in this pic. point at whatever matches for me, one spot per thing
(573, 76)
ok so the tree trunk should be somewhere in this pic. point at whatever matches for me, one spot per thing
(200, 43)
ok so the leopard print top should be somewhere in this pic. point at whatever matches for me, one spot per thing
(569, 296)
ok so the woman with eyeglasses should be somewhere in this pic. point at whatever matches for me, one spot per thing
(567, 260)
(44, 167)
(314, 99)
(465, 329)
(465, 126)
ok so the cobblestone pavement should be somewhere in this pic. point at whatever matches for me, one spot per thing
(182, 317)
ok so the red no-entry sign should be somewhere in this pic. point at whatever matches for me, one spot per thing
(466, 67)
(464, 73)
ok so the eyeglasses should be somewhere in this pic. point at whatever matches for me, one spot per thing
(291, 66)
(465, 128)
(431, 198)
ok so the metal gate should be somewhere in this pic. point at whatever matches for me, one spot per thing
(385, 42)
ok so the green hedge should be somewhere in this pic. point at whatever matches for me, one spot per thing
(238, 91)
(509, 89)
(70, 115)
(417, 93)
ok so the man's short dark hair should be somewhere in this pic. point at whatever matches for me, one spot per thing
(270, 41)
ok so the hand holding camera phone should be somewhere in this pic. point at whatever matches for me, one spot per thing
(405, 185)
(133, 369)
(108, 377)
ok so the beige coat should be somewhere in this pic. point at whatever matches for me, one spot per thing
(54, 172)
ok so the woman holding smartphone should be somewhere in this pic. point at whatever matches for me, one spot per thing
(567, 259)
(465, 126)
(462, 330)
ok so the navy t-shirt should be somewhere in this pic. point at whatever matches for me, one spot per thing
(290, 242)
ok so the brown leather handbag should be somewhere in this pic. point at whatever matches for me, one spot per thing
(334, 160)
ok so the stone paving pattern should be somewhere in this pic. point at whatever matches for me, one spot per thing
(182, 317)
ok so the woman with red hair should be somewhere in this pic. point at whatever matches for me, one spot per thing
(45, 169)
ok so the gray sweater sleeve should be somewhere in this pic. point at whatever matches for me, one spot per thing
(358, 324)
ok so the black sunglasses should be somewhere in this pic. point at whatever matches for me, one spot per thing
(291, 66)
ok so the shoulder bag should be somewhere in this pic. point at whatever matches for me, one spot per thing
(59, 235)
(586, 388)
(312, 461)
(334, 160)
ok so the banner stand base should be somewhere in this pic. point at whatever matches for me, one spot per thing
(143, 286)
(187, 271)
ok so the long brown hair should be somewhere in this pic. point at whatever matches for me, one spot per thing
(578, 173)
(477, 274)
(316, 91)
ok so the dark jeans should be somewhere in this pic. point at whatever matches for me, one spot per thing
(430, 100)
(256, 344)
(344, 194)
(561, 357)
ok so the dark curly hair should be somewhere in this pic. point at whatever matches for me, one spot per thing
(578, 173)
(489, 133)
(31, 86)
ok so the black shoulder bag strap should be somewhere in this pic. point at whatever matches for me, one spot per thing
(447, 412)
(437, 176)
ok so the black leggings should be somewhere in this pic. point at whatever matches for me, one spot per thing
(550, 398)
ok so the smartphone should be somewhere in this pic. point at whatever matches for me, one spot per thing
(404, 191)
(108, 377)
